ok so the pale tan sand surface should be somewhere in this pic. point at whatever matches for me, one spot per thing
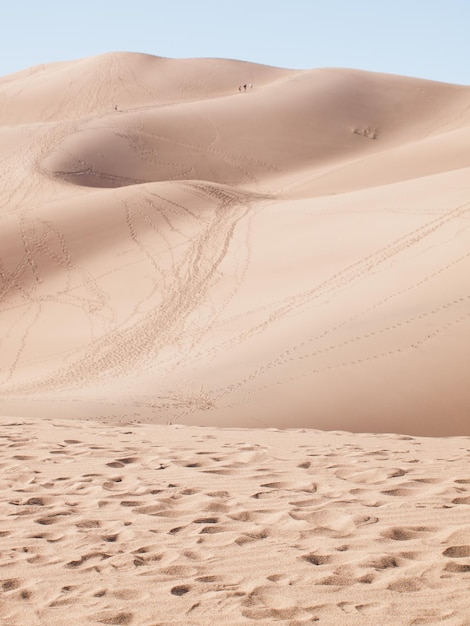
(147, 524)
(174, 250)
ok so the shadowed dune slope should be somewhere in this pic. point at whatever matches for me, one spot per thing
(305, 120)
(173, 249)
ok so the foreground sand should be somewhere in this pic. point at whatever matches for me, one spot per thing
(147, 524)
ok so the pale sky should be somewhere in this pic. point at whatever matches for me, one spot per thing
(421, 38)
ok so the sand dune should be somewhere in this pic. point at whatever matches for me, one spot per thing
(292, 255)
(288, 262)
(303, 121)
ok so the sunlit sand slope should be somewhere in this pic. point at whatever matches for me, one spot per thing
(175, 247)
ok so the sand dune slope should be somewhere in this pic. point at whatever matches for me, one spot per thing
(94, 85)
(173, 249)
(175, 253)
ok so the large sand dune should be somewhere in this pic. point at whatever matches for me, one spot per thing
(174, 249)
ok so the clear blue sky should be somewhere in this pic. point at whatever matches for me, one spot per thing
(422, 38)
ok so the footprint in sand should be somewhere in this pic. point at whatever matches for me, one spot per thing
(406, 585)
(250, 537)
(88, 523)
(465, 500)
(369, 477)
(112, 618)
(87, 557)
(457, 568)
(401, 533)
(37, 501)
(317, 559)
(384, 562)
(54, 518)
(457, 552)
(307, 487)
(266, 603)
(10, 584)
(332, 523)
(179, 570)
(112, 483)
(180, 590)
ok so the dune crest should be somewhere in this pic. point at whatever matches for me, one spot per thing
(176, 250)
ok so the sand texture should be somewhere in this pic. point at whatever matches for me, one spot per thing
(156, 525)
(216, 278)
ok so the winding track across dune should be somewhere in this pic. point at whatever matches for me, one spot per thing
(175, 250)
